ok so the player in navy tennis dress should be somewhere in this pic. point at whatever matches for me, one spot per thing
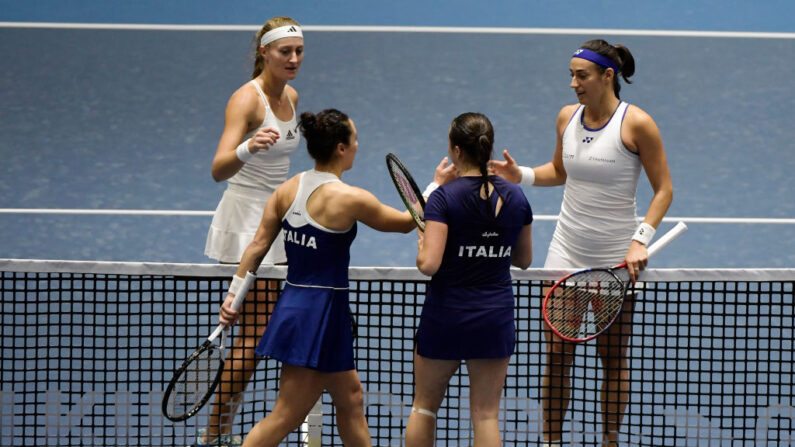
(311, 323)
(310, 328)
(469, 307)
(476, 227)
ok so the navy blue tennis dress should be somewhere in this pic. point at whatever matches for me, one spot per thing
(469, 306)
(311, 323)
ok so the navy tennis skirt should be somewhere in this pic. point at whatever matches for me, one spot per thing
(459, 334)
(311, 328)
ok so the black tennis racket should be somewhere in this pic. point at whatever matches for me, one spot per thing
(196, 379)
(584, 304)
(407, 188)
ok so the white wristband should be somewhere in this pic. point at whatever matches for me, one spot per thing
(243, 153)
(234, 286)
(644, 234)
(429, 189)
(528, 176)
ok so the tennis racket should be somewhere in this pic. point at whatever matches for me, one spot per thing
(407, 188)
(196, 379)
(584, 304)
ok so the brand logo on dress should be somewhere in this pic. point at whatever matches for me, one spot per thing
(587, 139)
(492, 234)
(290, 135)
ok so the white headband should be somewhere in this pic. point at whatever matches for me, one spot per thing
(281, 33)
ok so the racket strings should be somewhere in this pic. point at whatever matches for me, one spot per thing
(585, 304)
(404, 185)
(195, 381)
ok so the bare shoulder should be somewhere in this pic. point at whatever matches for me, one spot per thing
(345, 191)
(286, 191)
(565, 115)
(245, 98)
(291, 93)
(638, 120)
(567, 111)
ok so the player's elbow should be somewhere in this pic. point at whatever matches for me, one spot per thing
(522, 256)
(218, 175)
(258, 247)
(522, 262)
(408, 227)
(426, 268)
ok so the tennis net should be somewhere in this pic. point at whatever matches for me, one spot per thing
(88, 348)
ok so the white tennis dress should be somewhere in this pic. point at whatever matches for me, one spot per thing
(598, 213)
(240, 210)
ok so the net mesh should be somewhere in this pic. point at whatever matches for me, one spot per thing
(88, 349)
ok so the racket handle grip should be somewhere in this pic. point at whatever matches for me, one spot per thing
(216, 332)
(666, 238)
(242, 291)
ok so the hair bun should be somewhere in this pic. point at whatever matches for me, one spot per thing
(308, 122)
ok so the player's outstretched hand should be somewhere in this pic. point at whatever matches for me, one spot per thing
(445, 172)
(508, 169)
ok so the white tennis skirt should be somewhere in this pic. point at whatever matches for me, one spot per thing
(235, 222)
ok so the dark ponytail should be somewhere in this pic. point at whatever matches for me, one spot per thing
(474, 135)
(617, 53)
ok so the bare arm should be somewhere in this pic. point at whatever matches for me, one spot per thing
(266, 233)
(642, 135)
(430, 247)
(522, 255)
(549, 174)
(240, 116)
(366, 208)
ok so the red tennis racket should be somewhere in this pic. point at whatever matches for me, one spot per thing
(583, 304)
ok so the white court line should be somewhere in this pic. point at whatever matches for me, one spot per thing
(553, 217)
(411, 29)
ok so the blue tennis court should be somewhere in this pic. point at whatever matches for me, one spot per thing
(123, 123)
(109, 119)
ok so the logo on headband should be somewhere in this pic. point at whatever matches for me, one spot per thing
(578, 52)
(292, 30)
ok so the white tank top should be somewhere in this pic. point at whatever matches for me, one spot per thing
(268, 169)
(297, 215)
(598, 213)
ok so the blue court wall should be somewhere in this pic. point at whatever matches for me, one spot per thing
(704, 15)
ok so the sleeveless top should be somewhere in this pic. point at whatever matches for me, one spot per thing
(598, 212)
(268, 169)
(316, 256)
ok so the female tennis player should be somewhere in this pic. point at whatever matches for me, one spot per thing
(310, 329)
(602, 144)
(476, 227)
(260, 133)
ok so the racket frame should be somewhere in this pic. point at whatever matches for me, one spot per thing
(666, 239)
(392, 163)
(207, 345)
(611, 271)
(183, 369)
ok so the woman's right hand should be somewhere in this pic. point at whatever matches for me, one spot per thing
(263, 139)
(226, 315)
(508, 169)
